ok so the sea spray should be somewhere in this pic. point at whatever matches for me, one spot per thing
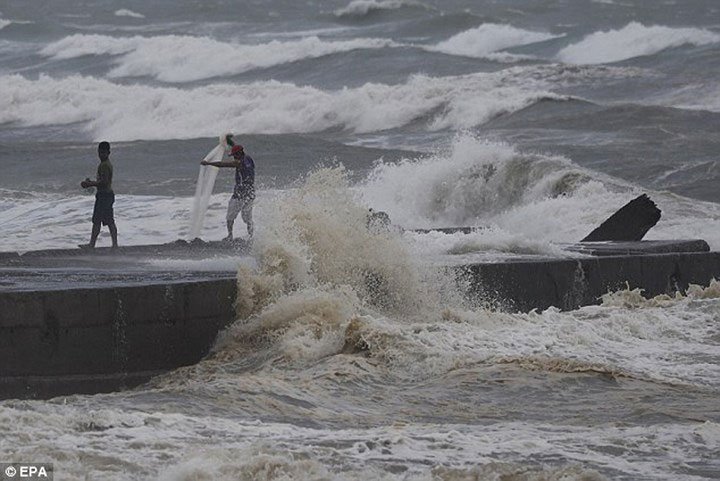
(325, 222)
(325, 282)
(312, 301)
(204, 187)
(471, 182)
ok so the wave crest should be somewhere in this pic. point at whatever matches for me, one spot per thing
(124, 12)
(359, 8)
(473, 181)
(131, 112)
(488, 39)
(177, 58)
(634, 40)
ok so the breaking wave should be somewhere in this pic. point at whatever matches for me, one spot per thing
(363, 7)
(633, 40)
(633, 298)
(175, 58)
(471, 183)
(124, 12)
(488, 39)
(524, 202)
(329, 290)
(130, 112)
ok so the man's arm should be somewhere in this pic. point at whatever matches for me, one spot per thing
(222, 164)
(91, 183)
(102, 180)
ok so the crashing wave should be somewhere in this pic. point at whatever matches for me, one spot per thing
(124, 12)
(363, 7)
(633, 40)
(130, 112)
(180, 58)
(487, 40)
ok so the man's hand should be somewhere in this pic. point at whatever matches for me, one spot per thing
(86, 183)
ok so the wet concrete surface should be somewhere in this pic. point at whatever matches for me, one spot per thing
(105, 267)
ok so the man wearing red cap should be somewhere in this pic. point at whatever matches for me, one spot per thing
(243, 196)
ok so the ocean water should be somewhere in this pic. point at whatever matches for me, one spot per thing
(534, 119)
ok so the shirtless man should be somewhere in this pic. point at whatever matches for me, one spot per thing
(104, 197)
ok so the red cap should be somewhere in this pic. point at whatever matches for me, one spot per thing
(236, 149)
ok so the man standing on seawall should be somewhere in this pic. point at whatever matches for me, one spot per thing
(243, 195)
(104, 197)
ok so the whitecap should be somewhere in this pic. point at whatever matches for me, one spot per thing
(488, 39)
(181, 58)
(633, 40)
(130, 112)
(124, 12)
(363, 7)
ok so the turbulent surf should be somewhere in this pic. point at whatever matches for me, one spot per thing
(354, 353)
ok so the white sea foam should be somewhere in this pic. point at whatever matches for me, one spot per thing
(700, 96)
(128, 112)
(633, 40)
(472, 182)
(488, 39)
(124, 12)
(176, 58)
(363, 7)
(527, 202)
(4, 23)
(61, 221)
(84, 440)
(311, 300)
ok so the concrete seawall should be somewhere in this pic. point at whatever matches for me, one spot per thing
(570, 283)
(94, 340)
(118, 333)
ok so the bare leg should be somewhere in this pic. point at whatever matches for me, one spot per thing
(230, 224)
(113, 234)
(94, 235)
(247, 218)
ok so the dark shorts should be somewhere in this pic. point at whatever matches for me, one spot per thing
(103, 211)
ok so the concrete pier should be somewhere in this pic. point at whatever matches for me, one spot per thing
(520, 286)
(87, 322)
(101, 339)
(78, 321)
